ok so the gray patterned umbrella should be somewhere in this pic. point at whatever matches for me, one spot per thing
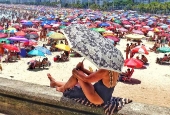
(94, 47)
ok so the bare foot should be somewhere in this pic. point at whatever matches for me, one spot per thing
(52, 81)
(60, 89)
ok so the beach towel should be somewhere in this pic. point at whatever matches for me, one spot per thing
(111, 107)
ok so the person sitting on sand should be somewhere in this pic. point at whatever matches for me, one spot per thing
(99, 93)
(155, 47)
(165, 58)
(126, 73)
(144, 59)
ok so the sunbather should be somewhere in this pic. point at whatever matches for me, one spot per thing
(99, 93)
(144, 59)
(165, 58)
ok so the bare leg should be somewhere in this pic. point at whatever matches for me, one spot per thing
(91, 94)
(69, 84)
(54, 83)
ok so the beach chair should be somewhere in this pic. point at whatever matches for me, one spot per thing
(128, 78)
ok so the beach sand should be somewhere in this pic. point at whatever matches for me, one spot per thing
(151, 85)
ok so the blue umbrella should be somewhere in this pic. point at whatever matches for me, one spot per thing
(36, 52)
(44, 50)
(28, 23)
(104, 24)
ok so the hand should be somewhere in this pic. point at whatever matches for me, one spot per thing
(80, 66)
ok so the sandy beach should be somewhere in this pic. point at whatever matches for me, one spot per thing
(151, 85)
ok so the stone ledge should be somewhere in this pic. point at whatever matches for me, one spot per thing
(22, 98)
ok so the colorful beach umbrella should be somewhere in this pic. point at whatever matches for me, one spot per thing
(36, 52)
(43, 49)
(11, 47)
(164, 49)
(57, 36)
(94, 47)
(133, 63)
(140, 49)
(63, 47)
(17, 38)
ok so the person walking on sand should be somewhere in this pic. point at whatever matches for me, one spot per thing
(99, 93)
(127, 50)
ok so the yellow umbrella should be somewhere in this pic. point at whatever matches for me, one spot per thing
(63, 47)
(11, 28)
(57, 36)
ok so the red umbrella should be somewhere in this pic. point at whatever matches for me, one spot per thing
(1, 28)
(47, 26)
(140, 49)
(11, 47)
(20, 33)
(2, 35)
(133, 63)
(30, 43)
(31, 29)
(34, 33)
(115, 39)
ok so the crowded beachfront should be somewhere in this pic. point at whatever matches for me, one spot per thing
(37, 46)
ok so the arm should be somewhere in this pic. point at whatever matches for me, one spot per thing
(86, 71)
(94, 77)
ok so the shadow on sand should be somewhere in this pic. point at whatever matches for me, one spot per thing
(37, 69)
(10, 61)
(165, 63)
(132, 82)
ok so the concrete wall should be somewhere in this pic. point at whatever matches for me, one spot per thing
(22, 98)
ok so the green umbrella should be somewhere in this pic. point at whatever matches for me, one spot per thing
(93, 29)
(4, 39)
(62, 27)
(117, 21)
(100, 29)
(164, 49)
(49, 33)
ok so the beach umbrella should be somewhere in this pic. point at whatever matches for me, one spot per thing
(57, 36)
(100, 29)
(12, 31)
(11, 28)
(31, 36)
(62, 27)
(94, 47)
(140, 49)
(104, 24)
(43, 49)
(49, 33)
(134, 36)
(117, 21)
(36, 52)
(63, 47)
(16, 38)
(1, 28)
(2, 35)
(31, 29)
(122, 29)
(28, 23)
(133, 63)
(20, 33)
(11, 47)
(137, 32)
(30, 43)
(114, 38)
(4, 40)
(164, 49)
(47, 26)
